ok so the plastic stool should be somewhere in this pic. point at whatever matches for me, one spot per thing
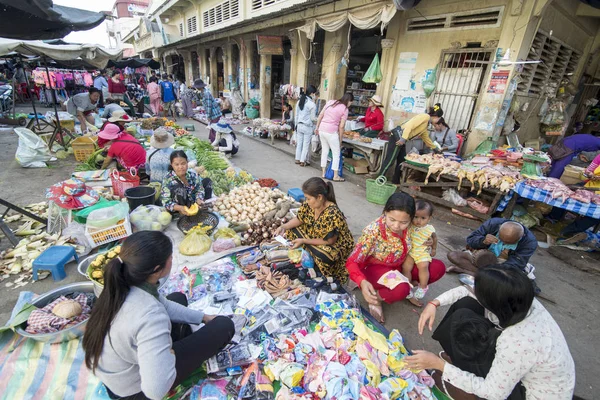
(54, 259)
(297, 194)
(189, 127)
(100, 392)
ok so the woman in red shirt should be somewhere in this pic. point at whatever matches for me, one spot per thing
(373, 118)
(118, 91)
(124, 148)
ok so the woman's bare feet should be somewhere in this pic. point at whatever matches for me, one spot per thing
(377, 312)
(415, 302)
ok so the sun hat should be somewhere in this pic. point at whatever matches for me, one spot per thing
(72, 194)
(161, 139)
(120, 115)
(199, 84)
(221, 127)
(377, 100)
(110, 132)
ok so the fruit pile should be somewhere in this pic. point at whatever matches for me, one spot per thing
(96, 268)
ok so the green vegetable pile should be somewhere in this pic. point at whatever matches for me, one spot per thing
(205, 155)
(91, 163)
(225, 181)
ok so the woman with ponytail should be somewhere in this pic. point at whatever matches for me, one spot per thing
(305, 118)
(139, 343)
(321, 229)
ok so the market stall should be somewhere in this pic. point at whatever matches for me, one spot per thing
(371, 149)
(272, 128)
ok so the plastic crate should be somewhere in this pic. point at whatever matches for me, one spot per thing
(102, 236)
(68, 124)
(297, 194)
(83, 148)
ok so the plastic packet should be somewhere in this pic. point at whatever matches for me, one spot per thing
(150, 218)
(393, 387)
(107, 217)
(235, 356)
(228, 233)
(210, 390)
(452, 196)
(307, 260)
(292, 374)
(221, 245)
(195, 243)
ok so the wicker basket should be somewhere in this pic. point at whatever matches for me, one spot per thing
(83, 148)
(378, 191)
(102, 236)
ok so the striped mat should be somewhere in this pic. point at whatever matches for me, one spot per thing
(35, 370)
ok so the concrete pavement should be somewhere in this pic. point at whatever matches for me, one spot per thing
(573, 295)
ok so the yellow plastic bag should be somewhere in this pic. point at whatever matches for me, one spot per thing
(228, 233)
(196, 242)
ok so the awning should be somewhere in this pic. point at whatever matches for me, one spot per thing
(93, 54)
(367, 17)
(135, 63)
(40, 19)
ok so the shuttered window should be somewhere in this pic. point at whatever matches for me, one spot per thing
(223, 12)
(486, 18)
(258, 4)
(192, 25)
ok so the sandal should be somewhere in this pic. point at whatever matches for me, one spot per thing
(302, 164)
(296, 162)
(339, 180)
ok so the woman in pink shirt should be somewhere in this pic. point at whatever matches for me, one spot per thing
(330, 128)
(154, 93)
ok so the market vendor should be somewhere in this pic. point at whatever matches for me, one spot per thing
(182, 186)
(496, 240)
(138, 342)
(158, 156)
(445, 136)
(373, 118)
(111, 107)
(414, 128)
(118, 118)
(211, 107)
(82, 105)
(499, 342)
(320, 227)
(225, 141)
(383, 248)
(118, 90)
(287, 115)
(122, 147)
(563, 152)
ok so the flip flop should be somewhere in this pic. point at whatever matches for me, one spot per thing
(296, 162)
(339, 180)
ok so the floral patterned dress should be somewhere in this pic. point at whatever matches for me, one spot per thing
(330, 260)
(175, 192)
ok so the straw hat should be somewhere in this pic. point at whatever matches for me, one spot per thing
(376, 100)
(161, 139)
(120, 115)
(221, 127)
(72, 194)
(110, 132)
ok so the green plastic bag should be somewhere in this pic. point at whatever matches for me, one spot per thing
(429, 83)
(251, 111)
(373, 74)
(81, 216)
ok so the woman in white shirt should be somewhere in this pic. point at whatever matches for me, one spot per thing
(304, 120)
(225, 141)
(525, 344)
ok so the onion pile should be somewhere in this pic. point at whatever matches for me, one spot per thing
(249, 203)
(262, 231)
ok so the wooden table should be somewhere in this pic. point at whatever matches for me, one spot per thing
(373, 151)
(446, 181)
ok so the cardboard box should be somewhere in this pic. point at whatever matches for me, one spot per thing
(356, 166)
(572, 175)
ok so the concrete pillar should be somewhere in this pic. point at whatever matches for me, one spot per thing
(214, 86)
(249, 49)
(265, 86)
(520, 43)
(388, 52)
(227, 67)
(187, 61)
(333, 77)
(299, 64)
(201, 62)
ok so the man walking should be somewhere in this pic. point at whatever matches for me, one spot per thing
(211, 106)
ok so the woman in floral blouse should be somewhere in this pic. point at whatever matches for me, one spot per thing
(183, 187)
(380, 252)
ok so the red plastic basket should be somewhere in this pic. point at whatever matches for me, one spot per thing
(121, 181)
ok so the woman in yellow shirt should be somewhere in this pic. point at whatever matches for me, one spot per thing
(416, 127)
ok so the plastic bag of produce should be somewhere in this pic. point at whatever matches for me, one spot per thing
(221, 245)
(150, 218)
(107, 217)
(196, 242)
(32, 152)
(307, 260)
(228, 233)
(453, 196)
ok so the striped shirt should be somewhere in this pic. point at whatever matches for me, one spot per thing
(211, 106)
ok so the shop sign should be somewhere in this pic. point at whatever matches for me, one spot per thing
(272, 45)
(498, 82)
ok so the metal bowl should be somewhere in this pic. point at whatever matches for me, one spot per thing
(65, 334)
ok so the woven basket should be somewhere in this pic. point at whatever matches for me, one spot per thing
(378, 191)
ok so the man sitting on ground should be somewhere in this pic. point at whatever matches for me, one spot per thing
(499, 240)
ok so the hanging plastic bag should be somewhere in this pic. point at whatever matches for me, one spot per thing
(314, 143)
(429, 83)
(196, 242)
(373, 74)
(329, 171)
(32, 152)
(252, 110)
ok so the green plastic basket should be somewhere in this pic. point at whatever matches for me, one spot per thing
(378, 191)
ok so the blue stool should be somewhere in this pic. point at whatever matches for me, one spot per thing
(297, 194)
(54, 259)
(100, 392)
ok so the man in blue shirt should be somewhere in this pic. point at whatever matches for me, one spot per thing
(211, 106)
(100, 82)
(168, 97)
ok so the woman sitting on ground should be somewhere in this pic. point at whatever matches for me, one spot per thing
(122, 147)
(137, 342)
(526, 350)
(382, 250)
(182, 186)
(225, 141)
(321, 228)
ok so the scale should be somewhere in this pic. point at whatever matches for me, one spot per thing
(531, 166)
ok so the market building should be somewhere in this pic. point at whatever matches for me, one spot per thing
(257, 46)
